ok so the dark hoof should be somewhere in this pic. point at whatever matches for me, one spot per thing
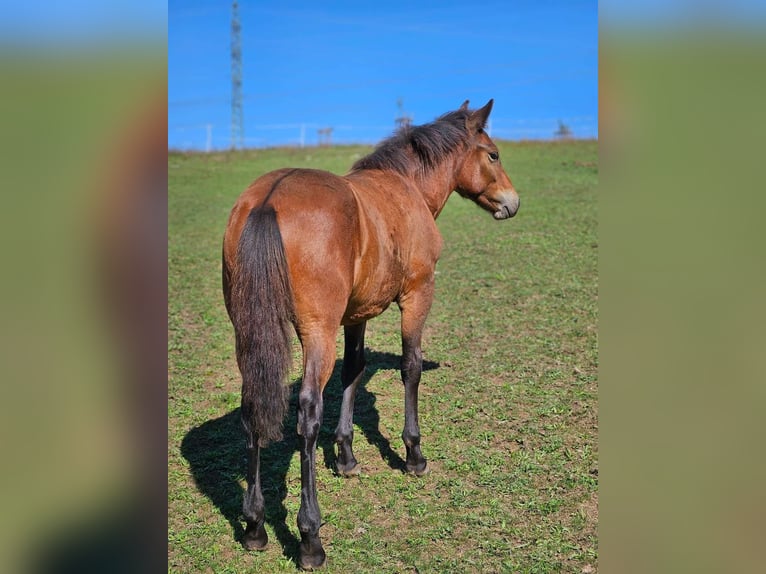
(255, 538)
(418, 469)
(313, 560)
(312, 554)
(349, 470)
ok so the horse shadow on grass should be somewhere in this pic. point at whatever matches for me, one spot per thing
(215, 451)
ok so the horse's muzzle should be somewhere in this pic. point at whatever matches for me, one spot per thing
(508, 207)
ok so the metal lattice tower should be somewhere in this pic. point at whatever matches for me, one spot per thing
(404, 120)
(237, 121)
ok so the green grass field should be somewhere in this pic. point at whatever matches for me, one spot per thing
(508, 398)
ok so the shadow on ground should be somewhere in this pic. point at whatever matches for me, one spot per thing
(215, 451)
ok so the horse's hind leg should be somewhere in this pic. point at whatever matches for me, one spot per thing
(318, 362)
(253, 505)
(351, 376)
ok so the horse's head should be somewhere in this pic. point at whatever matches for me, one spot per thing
(481, 177)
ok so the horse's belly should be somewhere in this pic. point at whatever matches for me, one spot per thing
(369, 301)
(359, 314)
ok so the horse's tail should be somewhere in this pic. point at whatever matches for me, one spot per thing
(262, 310)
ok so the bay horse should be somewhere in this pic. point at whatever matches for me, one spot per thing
(309, 250)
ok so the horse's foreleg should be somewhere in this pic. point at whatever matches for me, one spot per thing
(319, 356)
(412, 364)
(351, 376)
(253, 505)
(414, 312)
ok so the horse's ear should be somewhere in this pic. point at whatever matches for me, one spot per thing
(464, 107)
(478, 119)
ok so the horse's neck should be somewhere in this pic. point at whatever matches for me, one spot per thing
(437, 186)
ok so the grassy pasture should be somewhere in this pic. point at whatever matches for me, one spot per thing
(508, 407)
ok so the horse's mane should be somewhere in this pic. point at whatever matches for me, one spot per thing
(419, 148)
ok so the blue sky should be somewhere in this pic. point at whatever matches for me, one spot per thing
(345, 65)
(48, 23)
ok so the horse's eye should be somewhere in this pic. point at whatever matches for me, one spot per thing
(493, 156)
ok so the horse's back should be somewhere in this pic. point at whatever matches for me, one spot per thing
(353, 244)
(318, 221)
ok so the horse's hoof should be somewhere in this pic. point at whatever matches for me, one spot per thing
(418, 470)
(255, 545)
(313, 561)
(255, 539)
(355, 470)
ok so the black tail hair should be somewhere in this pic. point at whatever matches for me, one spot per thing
(262, 310)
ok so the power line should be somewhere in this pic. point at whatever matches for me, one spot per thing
(403, 79)
(237, 121)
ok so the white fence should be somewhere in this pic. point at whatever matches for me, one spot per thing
(209, 136)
